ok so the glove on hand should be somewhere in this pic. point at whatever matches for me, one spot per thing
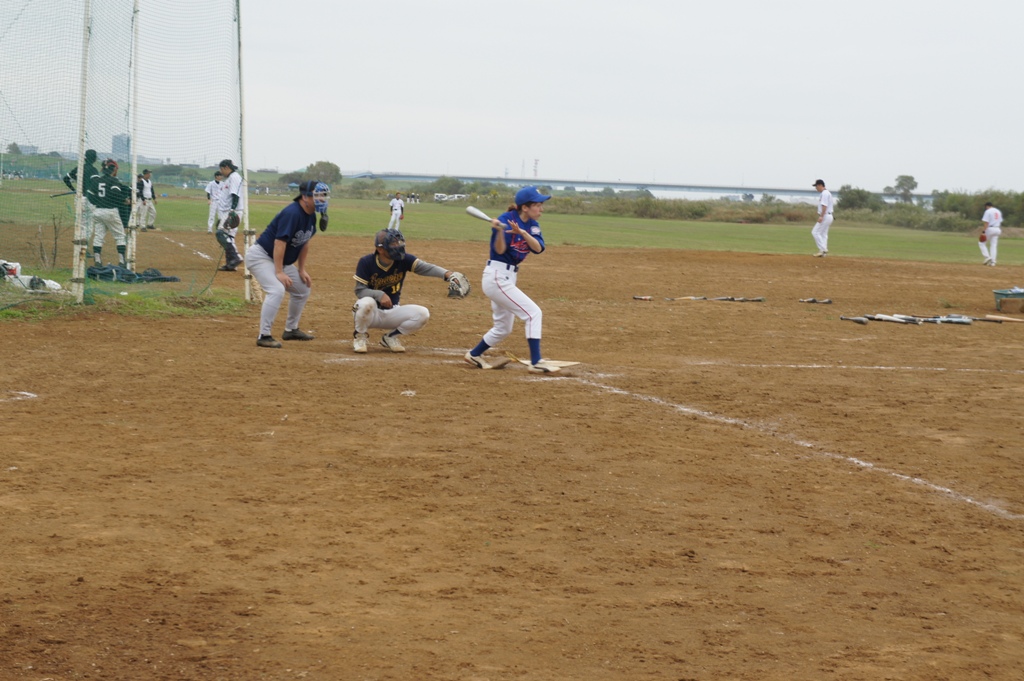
(323, 222)
(458, 285)
(232, 221)
(983, 238)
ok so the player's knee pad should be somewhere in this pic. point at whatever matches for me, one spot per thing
(223, 239)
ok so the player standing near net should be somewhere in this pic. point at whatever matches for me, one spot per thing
(825, 208)
(71, 180)
(230, 206)
(515, 235)
(397, 206)
(212, 192)
(108, 196)
(278, 261)
(146, 215)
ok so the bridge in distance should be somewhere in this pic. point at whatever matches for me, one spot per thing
(618, 185)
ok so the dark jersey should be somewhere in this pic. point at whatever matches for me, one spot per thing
(106, 191)
(516, 248)
(372, 274)
(88, 170)
(293, 226)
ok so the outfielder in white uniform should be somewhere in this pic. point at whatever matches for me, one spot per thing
(993, 221)
(825, 208)
(230, 202)
(397, 206)
(145, 216)
(212, 195)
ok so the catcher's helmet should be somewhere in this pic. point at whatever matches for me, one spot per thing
(320, 191)
(392, 241)
(110, 167)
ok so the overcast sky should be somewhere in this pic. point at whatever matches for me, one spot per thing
(747, 93)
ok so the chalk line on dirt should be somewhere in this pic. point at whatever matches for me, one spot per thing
(792, 439)
(860, 463)
(18, 395)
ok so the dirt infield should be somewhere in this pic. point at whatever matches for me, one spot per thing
(720, 491)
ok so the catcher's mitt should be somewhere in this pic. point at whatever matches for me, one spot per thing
(232, 221)
(458, 285)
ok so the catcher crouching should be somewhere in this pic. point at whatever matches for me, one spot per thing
(379, 279)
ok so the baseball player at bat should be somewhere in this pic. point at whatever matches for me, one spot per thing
(278, 262)
(379, 279)
(515, 234)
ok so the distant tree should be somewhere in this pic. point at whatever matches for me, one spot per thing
(54, 154)
(607, 191)
(904, 189)
(852, 198)
(13, 149)
(323, 171)
(292, 178)
(446, 185)
(766, 199)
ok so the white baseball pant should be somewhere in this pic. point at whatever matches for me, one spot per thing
(211, 221)
(104, 219)
(146, 215)
(990, 246)
(262, 267)
(507, 303)
(820, 232)
(406, 318)
(396, 220)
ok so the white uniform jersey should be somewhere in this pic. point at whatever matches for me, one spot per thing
(213, 189)
(397, 205)
(994, 217)
(231, 186)
(826, 201)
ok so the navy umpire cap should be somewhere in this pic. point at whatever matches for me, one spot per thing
(530, 195)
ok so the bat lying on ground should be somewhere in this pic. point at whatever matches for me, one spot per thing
(886, 318)
(951, 319)
(973, 319)
(688, 298)
(825, 301)
(995, 317)
(739, 300)
(859, 320)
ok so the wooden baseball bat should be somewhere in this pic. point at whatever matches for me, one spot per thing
(53, 196)
(859, 320)
(1003, 319)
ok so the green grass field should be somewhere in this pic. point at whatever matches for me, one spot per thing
(186, 209)
(450, 222)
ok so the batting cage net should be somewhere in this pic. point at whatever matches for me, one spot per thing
(92, 94)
